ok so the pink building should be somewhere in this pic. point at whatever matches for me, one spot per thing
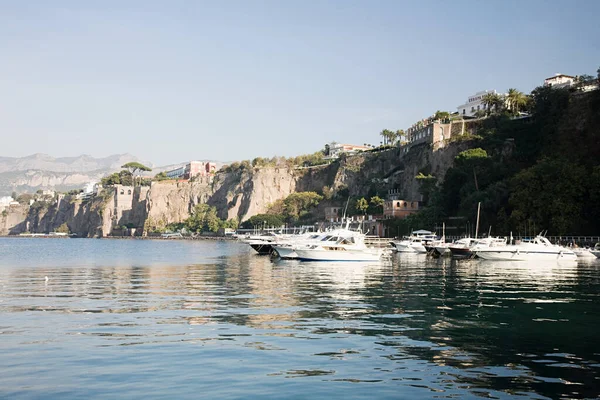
(199, 168)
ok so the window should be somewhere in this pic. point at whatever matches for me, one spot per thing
(129, 191)
(405, 204)
(398, 204)
(477, 108)
(122, 191)
(464, 111)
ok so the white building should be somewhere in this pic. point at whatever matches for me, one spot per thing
(334, 149)
(474, 103)
(5, 202)
(175, 173)
(559, 81)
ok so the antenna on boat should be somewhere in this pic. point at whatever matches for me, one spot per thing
(346, 208)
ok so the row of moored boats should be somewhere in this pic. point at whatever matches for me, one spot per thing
(341, 244)
(492, 248)
(344, 244)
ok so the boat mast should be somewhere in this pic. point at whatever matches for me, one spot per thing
(477, 226)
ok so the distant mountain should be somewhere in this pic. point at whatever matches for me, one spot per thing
(41, 171)
(83, 163)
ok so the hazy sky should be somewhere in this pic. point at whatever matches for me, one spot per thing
(170, 81)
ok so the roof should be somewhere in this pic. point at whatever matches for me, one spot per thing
(422, 232)
(559, 75)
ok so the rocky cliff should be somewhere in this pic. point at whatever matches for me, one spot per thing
(240, 193)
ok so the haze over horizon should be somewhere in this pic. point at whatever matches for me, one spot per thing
(198, 80)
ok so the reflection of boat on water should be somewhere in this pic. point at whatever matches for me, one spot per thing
(338, 274)
(536, 249)
(583, 253)
(596, 250)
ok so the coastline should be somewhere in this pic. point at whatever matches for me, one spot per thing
(42, 236)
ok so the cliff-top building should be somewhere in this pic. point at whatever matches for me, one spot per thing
(474, 103)
(192, 169)
(559, 81)
(333, 150)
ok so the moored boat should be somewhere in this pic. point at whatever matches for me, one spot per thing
(536, 249)
(415, 243)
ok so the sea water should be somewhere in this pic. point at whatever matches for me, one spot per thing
(176, 319)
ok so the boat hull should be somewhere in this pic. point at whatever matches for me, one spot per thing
(262, 248)
(328, 255)
(460, 252)
(285, 252)
(524, 255)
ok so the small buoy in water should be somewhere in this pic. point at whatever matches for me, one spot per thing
(47, 279)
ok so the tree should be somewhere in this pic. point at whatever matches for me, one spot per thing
(401, 135)
(161, 176)
(300, 203)
(134, 167)
(362, 205)
(515, 100)
(204, 218)
(387, 135)
(493, 102)
(441, 115)
(377, 203)
(263, 221)
(232, 223)
(118, 178)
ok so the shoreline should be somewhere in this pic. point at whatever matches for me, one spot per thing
(43, 236)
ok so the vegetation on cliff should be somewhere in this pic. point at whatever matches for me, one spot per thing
(531, 174)
(295, 208)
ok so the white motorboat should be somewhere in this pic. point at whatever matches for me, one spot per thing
(583, 252)
(285, 247)
(462, 247)
(536, 249)
(338, 247)
(596, 250)
(415, 243)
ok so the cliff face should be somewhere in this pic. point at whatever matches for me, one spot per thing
(12, 218)
(85, 219)
(240, 194)
(243, 194)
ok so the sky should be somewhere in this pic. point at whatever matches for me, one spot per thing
(172, 81)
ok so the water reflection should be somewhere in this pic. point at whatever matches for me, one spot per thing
(410, 327)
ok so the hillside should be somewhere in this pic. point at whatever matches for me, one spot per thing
(41, 171)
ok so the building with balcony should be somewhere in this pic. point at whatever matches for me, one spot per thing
(474, 103)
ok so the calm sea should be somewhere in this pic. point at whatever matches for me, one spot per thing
(141, 319)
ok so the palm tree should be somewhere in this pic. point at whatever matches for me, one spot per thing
(400, 135)
(515, 99)
(492, 100)
(387, 135)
